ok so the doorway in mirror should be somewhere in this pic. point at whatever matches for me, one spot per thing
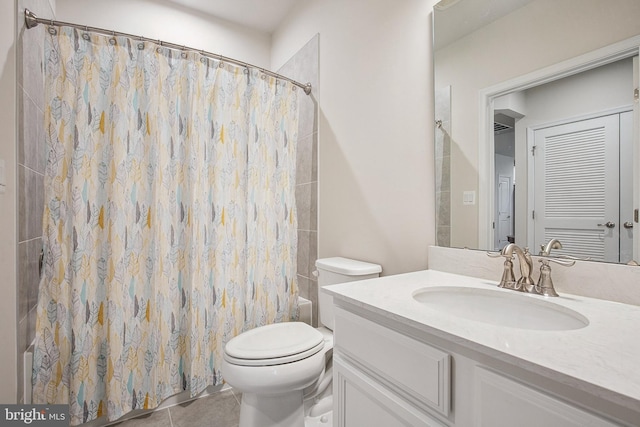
(505, 173)
(583, 187)
(572, 143)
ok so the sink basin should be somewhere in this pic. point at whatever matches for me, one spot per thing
(503, 308)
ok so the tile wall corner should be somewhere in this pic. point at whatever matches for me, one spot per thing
(304, 67)
(443, 165)
(31, 167)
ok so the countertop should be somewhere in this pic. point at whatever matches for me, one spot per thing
(602, 358)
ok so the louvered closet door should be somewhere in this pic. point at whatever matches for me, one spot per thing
(576, 181)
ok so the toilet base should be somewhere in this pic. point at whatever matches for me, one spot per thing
(324, 420)
(320, 414)
(282, 410)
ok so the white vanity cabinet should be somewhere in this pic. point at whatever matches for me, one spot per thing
(388, 374)
(384, 378)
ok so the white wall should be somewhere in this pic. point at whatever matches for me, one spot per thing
(8, 232)
(540, 34)
(376, 131)
(606, 87)
(172, 23)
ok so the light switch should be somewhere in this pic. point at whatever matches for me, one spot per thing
(469, 198)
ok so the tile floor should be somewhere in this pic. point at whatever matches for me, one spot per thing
(221, 409)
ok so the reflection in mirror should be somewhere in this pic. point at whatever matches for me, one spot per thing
(535, 126)
(579, 130)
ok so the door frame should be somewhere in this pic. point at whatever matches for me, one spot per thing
(486, 182)
(511, 209)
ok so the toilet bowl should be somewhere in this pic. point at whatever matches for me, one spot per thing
(272, 366)
(284, 370)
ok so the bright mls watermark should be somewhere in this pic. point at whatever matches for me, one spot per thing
(34, 415)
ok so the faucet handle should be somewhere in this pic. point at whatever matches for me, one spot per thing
(508, 279)
(563, 262)
(574, 258)
(498, 254)
(545, 284)
(545, 250)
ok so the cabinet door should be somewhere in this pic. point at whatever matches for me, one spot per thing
(360, 401)
(502, 402)
(412, 369)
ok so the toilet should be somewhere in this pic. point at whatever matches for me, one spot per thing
(284, 370)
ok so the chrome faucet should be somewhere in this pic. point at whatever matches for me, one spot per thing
(545, 250)
(525, 283)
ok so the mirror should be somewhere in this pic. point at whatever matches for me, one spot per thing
(535, 125)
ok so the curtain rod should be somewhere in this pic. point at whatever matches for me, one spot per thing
(31, 21)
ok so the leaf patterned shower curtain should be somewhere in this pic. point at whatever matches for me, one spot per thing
(169, 223)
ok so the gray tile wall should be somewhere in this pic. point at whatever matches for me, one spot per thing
(443, 166)
(304, 67)
(31, 165)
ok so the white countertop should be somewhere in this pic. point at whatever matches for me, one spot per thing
(602, 358)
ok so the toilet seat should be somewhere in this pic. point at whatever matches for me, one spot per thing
(274, 344)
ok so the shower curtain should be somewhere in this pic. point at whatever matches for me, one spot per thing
(169, 223)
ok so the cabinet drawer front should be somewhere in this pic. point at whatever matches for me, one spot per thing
(412, 368)
(360, 401)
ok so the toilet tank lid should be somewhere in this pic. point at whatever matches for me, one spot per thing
(350, 267)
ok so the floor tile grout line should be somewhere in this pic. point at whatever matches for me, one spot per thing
(235, 396)
(170, 417)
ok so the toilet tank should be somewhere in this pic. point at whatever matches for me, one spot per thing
(336, 270)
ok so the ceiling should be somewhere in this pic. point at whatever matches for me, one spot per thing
(462, 17)
(262, 15)
(455, 19)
